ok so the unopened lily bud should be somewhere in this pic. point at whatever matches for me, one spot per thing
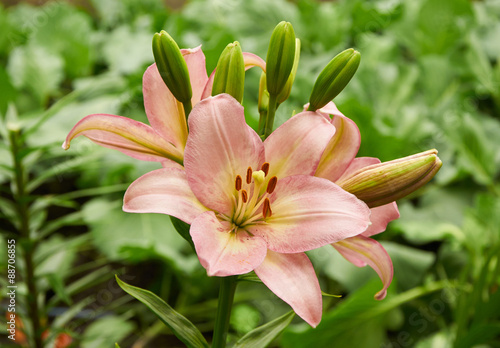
(263, 95)
(334, 77)
(230, 72)
(285, 92)
(280, 57)
(172, 66)
(386, 182)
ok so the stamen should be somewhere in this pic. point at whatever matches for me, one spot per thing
(244, 196)
(249, 175)
(265, 168)
(271, 185)
(238, 183)
(266, 208)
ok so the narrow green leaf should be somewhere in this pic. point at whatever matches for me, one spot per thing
(72, 312)
(265, 334)
(57, 285)
(180, 326)
(116, 345)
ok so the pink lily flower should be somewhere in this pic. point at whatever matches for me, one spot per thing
(336, 164)
(164, 141)
(253, 205)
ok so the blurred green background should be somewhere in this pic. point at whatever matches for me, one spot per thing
(429, 78)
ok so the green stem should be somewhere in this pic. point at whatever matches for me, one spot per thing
(271, 111)
(226, 297)
(22, 210)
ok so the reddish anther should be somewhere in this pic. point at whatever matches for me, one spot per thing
(249, 175)
(265, 168)
(266, 209)
(271, 185)
(238, 183)
(244, 196)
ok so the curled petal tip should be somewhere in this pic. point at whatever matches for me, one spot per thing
(65, 145)
(380, 295)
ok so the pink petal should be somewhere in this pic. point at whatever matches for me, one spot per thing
(220, 146)
(133, 138)
(164, 191)
(291, 277)
(380, 217)
(250, 61)
(171, 164)
(309, 212)
(343, 146)
(195, 60)
(224, 253)
(165, 113)
(297, 145)
(361, 251)
(207, 91)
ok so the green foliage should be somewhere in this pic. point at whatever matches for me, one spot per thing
(180, 326)
(263, 335)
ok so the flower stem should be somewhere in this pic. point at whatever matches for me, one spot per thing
(23, 214)
(271, 111)
(226, 297)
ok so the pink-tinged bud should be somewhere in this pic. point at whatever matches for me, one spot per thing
(386, 182)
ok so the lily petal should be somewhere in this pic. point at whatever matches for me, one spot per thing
(380, 217)
(165, 113)
(195, 61)
(164, 191)
(297, 145)
(292, 278)
(131, 137)
(222, 252)
(343, 146)
(220, 146)
(249, 59)
(309, 212)
(252, 60)
(361, 251)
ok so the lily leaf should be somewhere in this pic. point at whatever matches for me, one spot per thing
(183, 229)
(180, 326)
(263, 335)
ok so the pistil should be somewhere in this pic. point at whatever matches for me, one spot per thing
(246, 207)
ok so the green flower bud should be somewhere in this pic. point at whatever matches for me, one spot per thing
(172, 66)
(230, 72)
(280, 57)
(386, 182)
(263, 104)
(334, 77)
(285, 92)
